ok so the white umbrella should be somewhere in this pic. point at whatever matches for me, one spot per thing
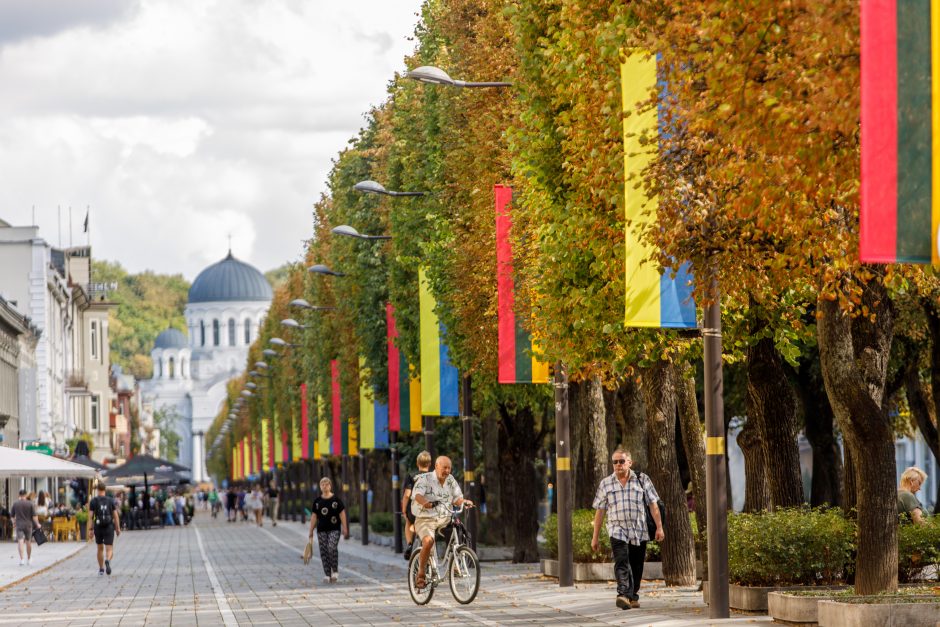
(17, 463)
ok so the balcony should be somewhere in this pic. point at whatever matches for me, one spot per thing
(76, 383)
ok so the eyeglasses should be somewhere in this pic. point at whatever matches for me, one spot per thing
(617, 462)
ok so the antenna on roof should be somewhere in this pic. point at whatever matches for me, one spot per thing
(229, 244)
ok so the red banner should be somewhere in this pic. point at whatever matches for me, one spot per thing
(304, 429)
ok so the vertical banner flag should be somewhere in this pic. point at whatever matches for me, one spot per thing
(338, 438)
(517, 363)
(285, 442)
(304, 425)
(295, 450)
(404, 386)
(251, 455)
(438, 376)
(234, 464)
(900, 134)
(373, 414)
(323, 444)
(244, 457)
(278, 442)
(269, 449)
(652, 299)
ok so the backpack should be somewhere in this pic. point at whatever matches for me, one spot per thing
(104, 511)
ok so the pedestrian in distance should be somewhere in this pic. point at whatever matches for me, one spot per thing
(273, 503)
(231, 505)
(910, 509)
(434, 494)
(242, 495)
(423, 462)
(256, 504)
(214, 502)
(106, 524)
(624, 497)
(327, 518)
(25, 520)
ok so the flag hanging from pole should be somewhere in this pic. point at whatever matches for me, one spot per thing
(305, 442)
(373, 414)
(278, 443)
(653, 299)
(323, 440)
(517, 361)
(899, 218)
(338, 435)
(295, 450)
(438, 375)
(404, 387)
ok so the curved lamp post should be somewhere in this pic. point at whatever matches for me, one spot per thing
(276, 341)
(270, 353)
(372, 187)
(437, 76)
(290, 323)
(320, 269)
(348, 231)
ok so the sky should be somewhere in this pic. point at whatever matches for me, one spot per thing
(176, 124)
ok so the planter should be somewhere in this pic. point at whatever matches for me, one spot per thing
(871, 614)
(795, 608)
(83, 531)
(754, 598)
(604, 571)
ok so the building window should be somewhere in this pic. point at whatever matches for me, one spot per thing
(160, 368)
(231, 331)
(94, 339)
(182, 367)
(247, 331)
(202, 332)
(101, 340)
(172, 368)
(94, 412)
(215, 333)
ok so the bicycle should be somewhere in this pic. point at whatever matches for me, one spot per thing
(459, 562)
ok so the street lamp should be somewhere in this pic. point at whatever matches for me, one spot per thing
(293, 324)
(247, 393)
(251, 385)
(437, 76)
(276, 341)
(261, 365)
(270, 353)
(348, 231)
(372, 187)
(320, 269)
(303, 304)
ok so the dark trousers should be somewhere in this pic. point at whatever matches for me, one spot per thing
(628, 567)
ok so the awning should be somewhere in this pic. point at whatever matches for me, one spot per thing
(17, 463)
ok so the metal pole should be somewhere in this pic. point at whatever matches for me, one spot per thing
(429, 437)
(563, 472)
(363, 499)
(469, 481)
(396, 492)
(715, 477)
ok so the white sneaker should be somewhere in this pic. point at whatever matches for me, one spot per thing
(327, 580)
(22, 562)
(334, 577)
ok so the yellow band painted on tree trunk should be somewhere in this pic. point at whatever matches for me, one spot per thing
(714, 446)
(468, 475)
(364, 487)
(563, 463)
(935, 123)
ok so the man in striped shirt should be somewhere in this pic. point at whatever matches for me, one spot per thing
(622, 497)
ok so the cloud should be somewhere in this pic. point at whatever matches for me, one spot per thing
(25, 19)
(180, 123)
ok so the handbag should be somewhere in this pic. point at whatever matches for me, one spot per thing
(39, 536)
(308, 552)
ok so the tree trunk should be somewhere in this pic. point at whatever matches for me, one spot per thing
(820, 431)
(854, 356)
(772, 407)
(928, 428)
(659, 390)
(625, 409)
(756, 494)
(380, 481)
(492, 481)
(693, 439)
(849, 483)
(588, 440)
(521, 490)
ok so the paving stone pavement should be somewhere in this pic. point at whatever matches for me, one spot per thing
(218, 573)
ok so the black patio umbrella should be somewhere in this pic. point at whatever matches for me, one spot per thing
(148, 470)
(84, 460)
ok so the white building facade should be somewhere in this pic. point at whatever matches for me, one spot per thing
(227, 304)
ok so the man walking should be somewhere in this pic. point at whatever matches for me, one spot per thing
(622, 497)
(273, 502)
(424, 465)
(106, 522)
(25, 520)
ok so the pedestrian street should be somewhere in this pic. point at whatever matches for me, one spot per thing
(217, 573)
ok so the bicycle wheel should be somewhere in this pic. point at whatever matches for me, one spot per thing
(422, 596)
(464, 575)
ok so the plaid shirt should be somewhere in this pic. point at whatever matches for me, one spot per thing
(625, 506)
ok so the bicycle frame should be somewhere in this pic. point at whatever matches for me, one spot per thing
(435, 569)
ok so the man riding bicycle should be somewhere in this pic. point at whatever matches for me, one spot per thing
(433, 496)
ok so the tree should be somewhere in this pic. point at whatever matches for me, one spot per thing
(165, 419)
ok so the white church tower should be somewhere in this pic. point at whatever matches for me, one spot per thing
(227, 303)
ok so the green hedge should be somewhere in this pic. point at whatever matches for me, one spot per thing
(581, 531)
(790, 547)
(380, 522)
(918, 547)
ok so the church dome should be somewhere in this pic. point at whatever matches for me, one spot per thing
(171, 338)
(230, 280)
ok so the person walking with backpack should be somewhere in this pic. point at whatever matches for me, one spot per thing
(624, 497)
(106, 524)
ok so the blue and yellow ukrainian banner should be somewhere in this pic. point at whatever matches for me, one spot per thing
(653, 298)
(438, 376)
(373, 415)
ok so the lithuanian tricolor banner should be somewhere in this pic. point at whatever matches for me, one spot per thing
(338, 436)
(438, 376)
(305, 443)
(323, 440)
(373, 415)
(404, 387)
(517, 362)
(900, 134)
(653, 298)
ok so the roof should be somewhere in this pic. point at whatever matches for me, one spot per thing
(171, 338)
(230, 280)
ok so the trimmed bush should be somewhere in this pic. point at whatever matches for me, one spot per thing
(918, 548)
(380, 522)
(581, 531)
(790, 547)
